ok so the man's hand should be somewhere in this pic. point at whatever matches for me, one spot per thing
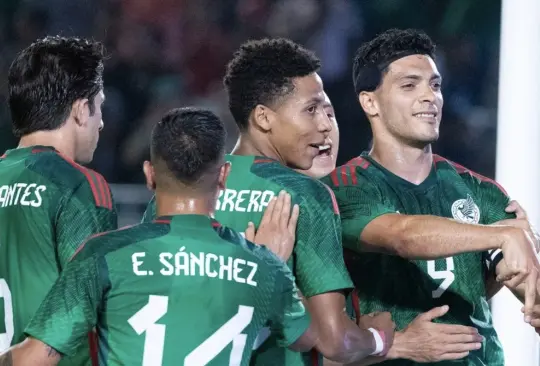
(515, 208)
(425, 341)
(277, 230)
(381, 322)
(520, 253)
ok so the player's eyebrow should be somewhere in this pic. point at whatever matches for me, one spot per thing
(315, 100)
(416, 77)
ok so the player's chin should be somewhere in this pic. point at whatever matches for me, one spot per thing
(322, 166)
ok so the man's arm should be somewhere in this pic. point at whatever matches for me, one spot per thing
(426, 341)
(322, 277)
(431, 237)
(69, 311)
(82, 215)
(340, 339)
(31, 352)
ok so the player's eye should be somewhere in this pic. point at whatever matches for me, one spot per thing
(437, 86)
(312, 109)
(407, 86)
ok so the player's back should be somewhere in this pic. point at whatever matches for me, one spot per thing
(183, 290)
(317, 260)
(37, 189)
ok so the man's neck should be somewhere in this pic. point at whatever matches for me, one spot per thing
(170, 204)
(410, 163)
(246, 145)
(56, 139)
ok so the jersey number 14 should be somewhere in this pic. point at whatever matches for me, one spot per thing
(145, 321)
(446, 275)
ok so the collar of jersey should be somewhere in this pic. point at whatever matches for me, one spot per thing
(33, 149)
(397, 180)
(185, 219)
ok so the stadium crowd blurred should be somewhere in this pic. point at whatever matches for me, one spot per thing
(170, 53)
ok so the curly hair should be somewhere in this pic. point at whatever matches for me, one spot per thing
(262, 72)
(372, 59)
(48, 76)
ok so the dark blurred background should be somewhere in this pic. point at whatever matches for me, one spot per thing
(169, 53)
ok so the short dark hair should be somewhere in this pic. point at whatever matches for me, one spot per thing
(373, 58)
(47, 77)
(188, 143)
(261, 72)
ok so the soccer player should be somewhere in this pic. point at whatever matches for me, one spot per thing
(422, 338)
(277, 99)
(181, 289)
(428, 216)
(48, 202)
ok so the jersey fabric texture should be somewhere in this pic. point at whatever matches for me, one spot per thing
(180, 290)
(317, 260)
(48, 206)
(365, 190)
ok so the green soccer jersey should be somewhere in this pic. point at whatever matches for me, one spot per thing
(48, 206)
(317, 260)
(365, 190)
(181, 290)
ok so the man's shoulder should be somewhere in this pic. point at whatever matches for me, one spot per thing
(109, 241)
(465, 174)
(68, 176)
(355, 172)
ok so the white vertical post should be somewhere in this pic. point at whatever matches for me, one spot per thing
(518, 154)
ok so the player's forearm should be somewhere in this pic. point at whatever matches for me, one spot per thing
(348, 344)
(30, 352)
(429, 237)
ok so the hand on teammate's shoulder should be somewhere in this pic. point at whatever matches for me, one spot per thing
(277, 230)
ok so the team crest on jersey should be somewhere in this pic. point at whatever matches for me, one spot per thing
(465, 210)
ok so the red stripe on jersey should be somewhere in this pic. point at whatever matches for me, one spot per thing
(461, 170)
(334, 177)
(314, 357)
(101, 186)
(352, 172)
(93, 344)
(216, 224)
(343, 173)
(37, 150)
(359, 161)
(260, 161)
(335, 206)
(356, 306)
(96, 236)
(95, 180)
(3, 156)
(162, 221)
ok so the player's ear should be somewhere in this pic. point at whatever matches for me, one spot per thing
(369, 103)
(149, 173)
(261, 117)
(223, 174)
(80, 111)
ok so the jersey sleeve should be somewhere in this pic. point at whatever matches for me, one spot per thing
(84, 212)
(319, 266)
(291, 319)
(69, 311)
(359, 204)
(150, 212)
